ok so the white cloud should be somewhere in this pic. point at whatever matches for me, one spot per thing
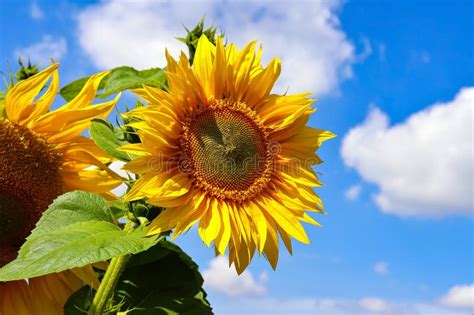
(44, 50)
(221, 278)
(35, 11)
(459, 296)
(375, 305)
(307, 35)
(264, 277)
(326, 306)
(424, 165)
(381, 268)
(353, 192)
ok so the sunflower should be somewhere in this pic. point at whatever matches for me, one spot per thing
(42, 155)
(220, 151)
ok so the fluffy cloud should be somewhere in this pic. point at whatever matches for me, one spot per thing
(42, 51)
(460, 296)
(307, 36)
(381, 268)
(219, 277)
(423, 166)
(353, 192)
(375, 305)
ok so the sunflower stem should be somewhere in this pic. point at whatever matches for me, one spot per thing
(110, 280)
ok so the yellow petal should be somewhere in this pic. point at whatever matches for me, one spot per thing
(135, 148)
(261, 224)
(172, 217)
(203, 60)
(19, 101)
(243, 65)
(286, 239)
(141, 165)
(87, 94)
(284, 219)
(95, 181)
(15, 298)
(210, 224)
(283, 111)
(225, 232)
(261, 85)
(58, 123)
(271, 245)
(219, 71)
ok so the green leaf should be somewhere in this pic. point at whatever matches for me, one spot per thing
(77, 229)
(109, 139)
(70, 91)
(162, 281)
(119, 79)
(125, 78)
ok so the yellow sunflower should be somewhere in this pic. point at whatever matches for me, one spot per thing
(219, 149)
(42, 155)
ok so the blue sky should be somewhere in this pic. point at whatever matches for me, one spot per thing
(398, 237)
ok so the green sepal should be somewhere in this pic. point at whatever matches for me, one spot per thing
(27, 71)
(192, 37)
(119, 208)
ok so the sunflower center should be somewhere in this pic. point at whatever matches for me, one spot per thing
(226, 151)
(13, 216)
(30, 180)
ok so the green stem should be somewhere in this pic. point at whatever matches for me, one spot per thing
(108, 283)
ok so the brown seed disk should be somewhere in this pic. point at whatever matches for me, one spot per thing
(30, 179)
(225, 148)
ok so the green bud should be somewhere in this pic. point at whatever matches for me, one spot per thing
(192, 38)
(26, 71)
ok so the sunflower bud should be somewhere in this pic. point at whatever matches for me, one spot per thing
(192, 38)
(25, 72)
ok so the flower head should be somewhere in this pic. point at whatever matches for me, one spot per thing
(42, 155)
(220, 151)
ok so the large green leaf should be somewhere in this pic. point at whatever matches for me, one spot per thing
(109, 138)
(161, 281)
(119, 79)
(77, 229)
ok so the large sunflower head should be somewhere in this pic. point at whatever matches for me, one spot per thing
(220, 151)
(42, 155)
